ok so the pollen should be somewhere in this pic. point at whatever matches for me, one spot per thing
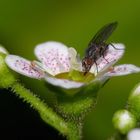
(77, 76)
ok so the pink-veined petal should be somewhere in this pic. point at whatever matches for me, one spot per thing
(122, 70)
(23, 66)
(64, 83)
(54, 56)
(112, 55)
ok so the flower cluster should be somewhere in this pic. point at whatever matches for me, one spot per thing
(61, 66)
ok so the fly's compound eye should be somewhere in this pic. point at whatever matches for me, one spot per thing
(89, 61)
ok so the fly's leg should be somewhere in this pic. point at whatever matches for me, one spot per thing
(115, 47)
(105, 58)
(102, 53)
(85, 73)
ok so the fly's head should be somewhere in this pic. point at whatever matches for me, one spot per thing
(86, 64)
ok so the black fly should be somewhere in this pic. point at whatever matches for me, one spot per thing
(97, 46)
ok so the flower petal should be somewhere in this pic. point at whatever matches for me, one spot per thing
(3, 50)
(123, 70)
(75, 61)
(64, 83)
(112, 55)
(54, 56)
(23, 67)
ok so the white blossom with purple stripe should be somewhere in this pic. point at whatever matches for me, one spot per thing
(54, 56)
(57, 59)
(24, 66)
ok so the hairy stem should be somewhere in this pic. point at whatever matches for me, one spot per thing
(68, 129)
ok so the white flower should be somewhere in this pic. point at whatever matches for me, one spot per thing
(61, 66)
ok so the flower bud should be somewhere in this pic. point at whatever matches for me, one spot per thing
(6, 76)
(124, 121)
(134, 134)
(134, 102)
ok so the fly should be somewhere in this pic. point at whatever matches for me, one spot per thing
(97, 47)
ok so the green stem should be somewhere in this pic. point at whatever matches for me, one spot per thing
(68, 129)
(76, 132)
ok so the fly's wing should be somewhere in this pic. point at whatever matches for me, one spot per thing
(104, 33)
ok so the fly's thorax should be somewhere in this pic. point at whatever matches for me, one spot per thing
(100, 51)
(91, 50)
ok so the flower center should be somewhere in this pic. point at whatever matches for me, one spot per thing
(76, 76)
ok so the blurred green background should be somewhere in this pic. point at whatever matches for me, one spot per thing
(25, 23)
